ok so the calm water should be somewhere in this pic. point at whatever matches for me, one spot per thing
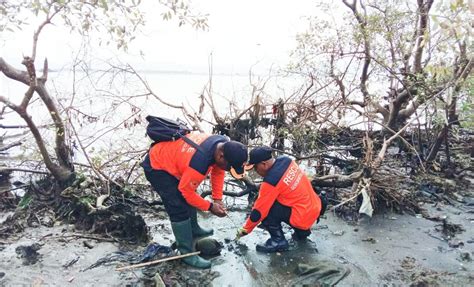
(104, 107)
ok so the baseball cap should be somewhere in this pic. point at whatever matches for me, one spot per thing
(260, 154)
(236, 154)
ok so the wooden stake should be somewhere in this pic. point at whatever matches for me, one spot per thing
(158, 261)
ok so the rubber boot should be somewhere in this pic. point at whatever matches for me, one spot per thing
(276, 243)
(184, 240)
(198, 231)
(300, 235)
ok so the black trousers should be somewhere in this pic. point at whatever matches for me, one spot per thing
(167, 187)
(280, 213)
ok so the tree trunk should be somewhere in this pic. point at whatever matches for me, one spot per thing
(437, 145)
(63, 171)
(279, 140)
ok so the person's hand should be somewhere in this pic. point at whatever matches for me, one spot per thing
(220, 202)
(218, 210)
(241, 232)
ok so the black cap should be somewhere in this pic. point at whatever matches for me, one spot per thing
(235, 154)
(260, 154)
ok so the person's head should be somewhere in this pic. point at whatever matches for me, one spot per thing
(261, 159)
(231, 156)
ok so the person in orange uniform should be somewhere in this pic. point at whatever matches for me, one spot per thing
(285, 195)
(175, 169)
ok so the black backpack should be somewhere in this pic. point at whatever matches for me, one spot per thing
(162, 130)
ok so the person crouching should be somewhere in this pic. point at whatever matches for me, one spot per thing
(285, 195)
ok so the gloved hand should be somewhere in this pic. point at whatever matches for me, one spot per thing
(241, 232)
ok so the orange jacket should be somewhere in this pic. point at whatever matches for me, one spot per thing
(190, 166)
(287, 184)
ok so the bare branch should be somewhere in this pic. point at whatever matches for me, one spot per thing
(10, 104)
(9, 146)
(367, 54)
(14, 74)
(10, 169)
(40, 28)
(98, 172)
(185, 111)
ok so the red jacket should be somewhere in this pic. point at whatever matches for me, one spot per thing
(190, 166)
(287, 184)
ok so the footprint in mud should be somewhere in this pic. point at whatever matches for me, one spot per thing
(303, 245)
(235, 246)
(240, 248)
(29, 253)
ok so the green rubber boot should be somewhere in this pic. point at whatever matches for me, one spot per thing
(184, 240)
(198, 231)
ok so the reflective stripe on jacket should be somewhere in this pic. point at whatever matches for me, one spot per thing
(287, 184)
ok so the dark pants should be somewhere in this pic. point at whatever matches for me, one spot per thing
(167, 187)
(280, 213)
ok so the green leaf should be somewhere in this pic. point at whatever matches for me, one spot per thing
(104, 4)
(25, 201)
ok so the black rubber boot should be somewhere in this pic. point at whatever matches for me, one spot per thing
(184, 241)
(276, 242)
(300, 235)
(198, 231)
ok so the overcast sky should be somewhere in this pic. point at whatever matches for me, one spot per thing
(241, 34)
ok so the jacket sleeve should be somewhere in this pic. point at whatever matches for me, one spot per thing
(188, 185)
(266, 197)
(217, 182)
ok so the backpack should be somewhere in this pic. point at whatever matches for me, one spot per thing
(162, 130)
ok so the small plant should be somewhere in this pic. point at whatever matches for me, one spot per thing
(25, 201)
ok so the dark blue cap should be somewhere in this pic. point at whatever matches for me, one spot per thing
(260, 154)
(236, 155)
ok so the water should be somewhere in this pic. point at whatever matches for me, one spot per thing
(108, 110)
(99, 101)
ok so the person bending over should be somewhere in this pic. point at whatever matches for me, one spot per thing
(175, 169)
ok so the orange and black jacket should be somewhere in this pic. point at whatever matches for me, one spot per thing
(286, 183)
(189, 165)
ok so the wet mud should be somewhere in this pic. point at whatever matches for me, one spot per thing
(387, 249)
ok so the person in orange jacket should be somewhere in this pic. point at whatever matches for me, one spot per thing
(175, 169)
(285, 195)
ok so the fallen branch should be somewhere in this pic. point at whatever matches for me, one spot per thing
(91, 237)
(158, 261)
(10, 169)
(100, 201)
(337, 180)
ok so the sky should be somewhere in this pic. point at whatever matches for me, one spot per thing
(241, 34)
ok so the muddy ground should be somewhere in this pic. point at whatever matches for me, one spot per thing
(389, 249)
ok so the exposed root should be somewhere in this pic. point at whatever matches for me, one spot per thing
(82, 204)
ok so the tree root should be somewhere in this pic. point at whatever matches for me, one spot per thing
(44, 204)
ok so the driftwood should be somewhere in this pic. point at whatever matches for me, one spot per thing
(337, 180)
(158, 261)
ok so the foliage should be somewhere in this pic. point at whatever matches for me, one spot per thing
(467, 105)
(118, 20)
(87, 200)
(25, 201)
(385, 36)
(115, 21)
